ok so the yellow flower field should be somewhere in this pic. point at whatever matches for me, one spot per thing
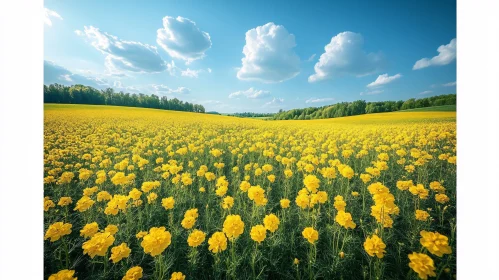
(135, 193)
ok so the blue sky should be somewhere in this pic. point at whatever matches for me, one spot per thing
(296, 53)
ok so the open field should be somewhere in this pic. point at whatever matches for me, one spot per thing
(443, 108)
(364, 197)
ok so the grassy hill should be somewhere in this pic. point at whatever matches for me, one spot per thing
(444, 108)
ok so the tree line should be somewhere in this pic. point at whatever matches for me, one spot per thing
(252, 115)
(80, 94)
(360, 107)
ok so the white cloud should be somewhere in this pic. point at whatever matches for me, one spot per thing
(124, 55)
(446, 54)
(182, 39)
(318, 100)
(384, 79)
(190, 73)
(311, 57)
(250, 93)
(53, 73)
(425, 92)
(268, 55)
(451, 84)
(344, 56)
(48, 14)
(372, 92)
(162, 89)
(171, 68)
(274, 102)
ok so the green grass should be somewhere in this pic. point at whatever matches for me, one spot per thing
(444, 108)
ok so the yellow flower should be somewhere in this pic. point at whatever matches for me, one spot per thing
(84, 204)
(257, 194)
(271, 178)
(134, 273)
(168, 202)
(422, 215)
(435, 242)
(135, 194)
(347, 172)
(57, 230)
(148, 186)
(404, 185)
(441, 198)
(47, 204)
(258, 233)
(177, 276)
(437, 187)
(311, 183)
(202, 189)
(103, 196)
(188, 222)
(141, 234)
(375, 246)
(89, 230)
(120, 252)
(271, 222)
(422, 264)
(310, 234)
(113, 229)
(355, 194)
(302, 200)
(65, 201)
(233, 226)
(156, 241)
(117, 203)
(419, 190)
(228, 202)
(285, 203)
(64, 274)
(196, 238)
(98, 244)
(345, 220)
(90, 191)
(151, 198)
(296, 261)
(244, 186)
(339, 204)
(217, 242)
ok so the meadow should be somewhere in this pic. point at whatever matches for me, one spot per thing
(136, 193)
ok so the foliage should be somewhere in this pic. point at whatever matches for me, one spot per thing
(361, 107)
(80, 94)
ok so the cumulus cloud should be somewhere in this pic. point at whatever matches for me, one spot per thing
(162, 89)
(383, 80)
(124, 55)
(344, 56)
(48, 14)
(318, 100)
(372, 92)
(269, 55)
(425, 92)
(276, 102)
(53, 73)
(182, 39)
(451, 84)
(250, 93)
(446, 54)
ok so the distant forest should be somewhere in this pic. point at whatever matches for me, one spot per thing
(360, 107)
(80, 94)
(252, 115)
